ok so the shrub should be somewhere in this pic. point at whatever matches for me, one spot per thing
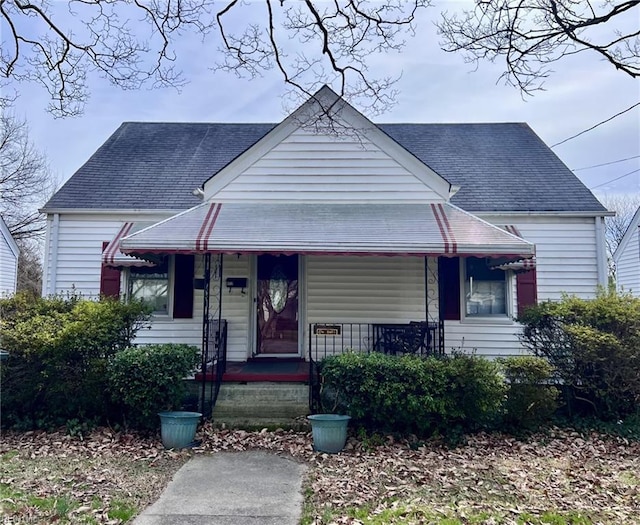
(594, 345)
(410, 394)
(58, 351)
(147, 379)
(531, 400)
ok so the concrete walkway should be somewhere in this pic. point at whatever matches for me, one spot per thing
(244, 488)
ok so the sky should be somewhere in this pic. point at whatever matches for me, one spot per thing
(435, 86)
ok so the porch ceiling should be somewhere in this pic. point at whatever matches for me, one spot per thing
(336, 229)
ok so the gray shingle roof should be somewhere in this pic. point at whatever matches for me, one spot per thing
(151, 165)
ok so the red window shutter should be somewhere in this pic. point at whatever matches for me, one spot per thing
(449, 275)
(183, 286)
(526, 290)
(109, 279)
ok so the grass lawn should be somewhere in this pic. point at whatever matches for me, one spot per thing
(556, 478)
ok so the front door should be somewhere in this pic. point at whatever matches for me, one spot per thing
(277, 303)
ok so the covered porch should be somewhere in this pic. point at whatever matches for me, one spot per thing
(320, 279)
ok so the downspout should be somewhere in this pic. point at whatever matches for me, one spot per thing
(601, 255)
(53, 250)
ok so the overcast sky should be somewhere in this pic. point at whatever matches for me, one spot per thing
(435, 87)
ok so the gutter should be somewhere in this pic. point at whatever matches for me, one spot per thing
(603, 213)
(119, 211)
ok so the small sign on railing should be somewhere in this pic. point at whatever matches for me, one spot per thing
(326, 329)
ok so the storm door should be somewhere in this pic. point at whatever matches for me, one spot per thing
(277, 304)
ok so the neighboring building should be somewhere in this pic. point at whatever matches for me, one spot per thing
(627, 258)
(9, 253)
(326, 231)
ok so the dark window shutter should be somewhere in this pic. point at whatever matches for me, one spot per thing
(183, 272)
(449, 276)
(526, 290)
(109, 279)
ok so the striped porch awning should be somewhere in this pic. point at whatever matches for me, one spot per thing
(112, 256)
(333, 228)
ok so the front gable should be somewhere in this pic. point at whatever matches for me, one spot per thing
(326, 151)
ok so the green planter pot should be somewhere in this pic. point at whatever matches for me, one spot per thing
(178, 429)
(329, 432)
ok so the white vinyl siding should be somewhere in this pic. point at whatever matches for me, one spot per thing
(235, 309)
(566, 253)
(487, 338)
(8, 268)
(329, 167)
(79, 257)
(628, 265)
(365, 289)
(566, 262)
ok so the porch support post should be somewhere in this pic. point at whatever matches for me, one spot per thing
(426, 289)
(221, 354)
(205, 332)
(440, 310)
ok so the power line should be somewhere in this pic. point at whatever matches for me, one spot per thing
(606, 163)
(613, 180)
(596, 125)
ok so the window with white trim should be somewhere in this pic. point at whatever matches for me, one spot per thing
(151, 285)
(485, 289)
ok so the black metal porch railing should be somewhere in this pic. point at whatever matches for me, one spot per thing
(326, 339)
(214, 362)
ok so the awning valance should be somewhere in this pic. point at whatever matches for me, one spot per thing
(333, 228)
(523, 265)
(112, 256)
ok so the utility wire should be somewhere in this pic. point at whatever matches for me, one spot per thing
(596, 125)
(613, 180)
(606, 163)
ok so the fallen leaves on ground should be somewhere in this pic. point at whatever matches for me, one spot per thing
(105, 477)
(491, 479)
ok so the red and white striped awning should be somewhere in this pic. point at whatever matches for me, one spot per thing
(112, 256)
(333, 228)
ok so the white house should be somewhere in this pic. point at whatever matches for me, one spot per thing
(327, 231)
(9, 253)
(627, 258)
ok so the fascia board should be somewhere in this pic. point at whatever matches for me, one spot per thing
(543, 213)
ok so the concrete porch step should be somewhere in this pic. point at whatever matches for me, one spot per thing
(264, 404)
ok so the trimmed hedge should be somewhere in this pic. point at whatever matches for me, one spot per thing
(413, 395)
(145, 380)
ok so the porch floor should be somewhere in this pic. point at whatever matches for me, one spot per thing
(263, 369)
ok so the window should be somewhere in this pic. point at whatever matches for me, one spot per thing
(151, 285)
(485, 289)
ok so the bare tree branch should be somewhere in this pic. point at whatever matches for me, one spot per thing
(133, 43)
(29, 267)
(625, 207)
(25, 180)
(533, 34)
